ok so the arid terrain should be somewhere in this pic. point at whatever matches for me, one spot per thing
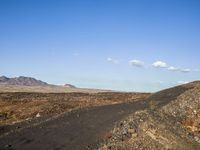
(105, 120)
(99, 75)
(25, 98)
(16, 107)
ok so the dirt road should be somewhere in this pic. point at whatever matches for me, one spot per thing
(83, 129)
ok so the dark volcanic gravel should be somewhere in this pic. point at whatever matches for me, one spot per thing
(83, 129)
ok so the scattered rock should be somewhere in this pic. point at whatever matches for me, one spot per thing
(131, 131)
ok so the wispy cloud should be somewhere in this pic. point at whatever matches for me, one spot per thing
(113, 61)
(136, 63)
(171, 68)
(156, 64)
(159, 64)
(185, 70)
(182, 82)
(181, 70)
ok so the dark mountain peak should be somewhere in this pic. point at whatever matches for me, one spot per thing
(27, 81)
(3, 78)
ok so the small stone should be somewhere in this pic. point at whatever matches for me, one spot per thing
(38, 115)
(125, 131)
(131, 131)
(195, 112)
(134, 135)
(197, 139)
(9, 145)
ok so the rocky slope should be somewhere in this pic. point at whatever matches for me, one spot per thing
(26, 81)
(172, 121)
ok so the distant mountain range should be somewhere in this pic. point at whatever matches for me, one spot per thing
(29, 84)
(26, 81)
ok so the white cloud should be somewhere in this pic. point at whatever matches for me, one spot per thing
(136, 63)
(171, 68)
(182, 82)
(159, 64)
(111, 60)
(181, 70)
(185, 70)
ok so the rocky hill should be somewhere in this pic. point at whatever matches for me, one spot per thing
(26, 81)
(172, 121)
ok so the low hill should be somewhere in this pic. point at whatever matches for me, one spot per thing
(69, 86)
(172, 121)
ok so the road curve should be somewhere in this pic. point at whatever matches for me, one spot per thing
(83, 129)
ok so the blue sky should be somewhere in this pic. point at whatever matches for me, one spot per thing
(131, 45)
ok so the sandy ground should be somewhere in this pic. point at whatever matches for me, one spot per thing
(47, 89)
